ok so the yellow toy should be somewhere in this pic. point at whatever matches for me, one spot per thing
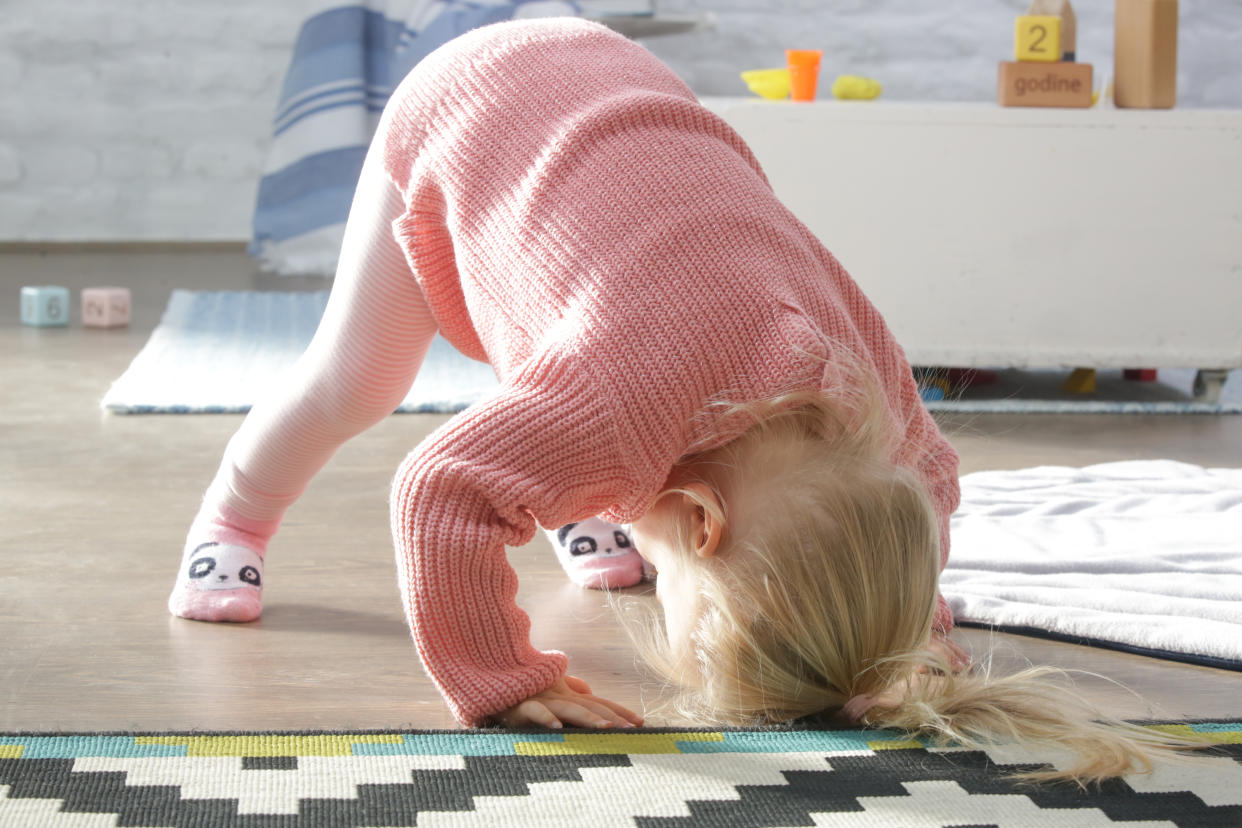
(1069, 23)
(772, 84)
(1081, 381)
(854, 88)
(1037, 38)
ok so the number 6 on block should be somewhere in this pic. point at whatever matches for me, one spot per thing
(1037, 38)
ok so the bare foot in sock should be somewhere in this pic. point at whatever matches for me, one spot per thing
(596, 554)
(219, 582)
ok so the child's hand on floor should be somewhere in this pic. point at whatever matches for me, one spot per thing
(568, 702)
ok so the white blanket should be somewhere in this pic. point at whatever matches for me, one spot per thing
(1144, 555)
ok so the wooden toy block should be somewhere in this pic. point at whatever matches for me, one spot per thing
(1145, 54)
(1044, 84)
(1037, 38)
(1081, 381)
(1140, 374)
(105, 307)
(45, 306)
(1069, 23)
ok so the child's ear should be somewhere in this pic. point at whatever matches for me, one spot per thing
(708, 530)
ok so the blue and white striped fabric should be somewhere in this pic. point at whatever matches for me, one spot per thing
(347, 60)
(218, 352)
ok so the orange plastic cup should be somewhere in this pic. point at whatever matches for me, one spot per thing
(803, 72)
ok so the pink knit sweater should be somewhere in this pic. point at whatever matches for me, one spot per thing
(576, 219)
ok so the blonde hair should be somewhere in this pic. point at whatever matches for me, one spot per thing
(825, 586)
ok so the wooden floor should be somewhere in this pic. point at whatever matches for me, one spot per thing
(93, 509)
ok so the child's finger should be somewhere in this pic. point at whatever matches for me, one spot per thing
(532, 712)
(577, 685)
(581, 713)
(604, 710)
(615, 713)
(622, 711)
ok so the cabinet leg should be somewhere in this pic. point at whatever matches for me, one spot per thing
(1208, 385)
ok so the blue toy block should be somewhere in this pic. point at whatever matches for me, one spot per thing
(45, 306)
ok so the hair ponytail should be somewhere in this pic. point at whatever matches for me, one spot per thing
(1036, 707)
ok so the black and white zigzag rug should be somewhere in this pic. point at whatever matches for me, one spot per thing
(778, 777)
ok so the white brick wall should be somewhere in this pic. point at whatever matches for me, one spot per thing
(147, 120)
(139, 120)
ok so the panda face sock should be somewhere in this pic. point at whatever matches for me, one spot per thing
(221, 575)
(596, 554)
(219, 582)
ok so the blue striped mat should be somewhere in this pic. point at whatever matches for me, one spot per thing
(219, 351)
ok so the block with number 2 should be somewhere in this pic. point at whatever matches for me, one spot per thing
(1037, 38)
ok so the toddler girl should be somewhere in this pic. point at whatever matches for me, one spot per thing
(674, 348)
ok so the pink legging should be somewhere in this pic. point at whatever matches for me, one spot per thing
(358, 368)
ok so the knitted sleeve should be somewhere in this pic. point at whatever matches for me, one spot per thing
(541, 450)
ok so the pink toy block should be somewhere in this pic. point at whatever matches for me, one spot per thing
(105, 307)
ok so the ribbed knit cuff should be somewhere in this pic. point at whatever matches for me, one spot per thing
(475, 703)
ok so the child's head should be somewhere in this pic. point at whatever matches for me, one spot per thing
(792, 562)
(798, 568)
